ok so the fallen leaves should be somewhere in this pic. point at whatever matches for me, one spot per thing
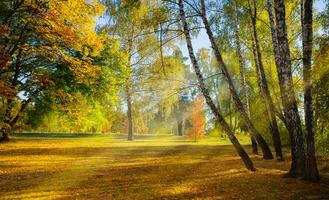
(106, 167)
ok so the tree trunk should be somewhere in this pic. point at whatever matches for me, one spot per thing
(216, 111)
(128, 88)
(289, 103)
(269, 109)
(9, 121)
(230, 112)
(178, 113)
(6, 127)
(5, 132)
(129, 114)
(278, 112)
(260, 140)
(179, 119)
(311, 170)
(180, 127)
(242, 72)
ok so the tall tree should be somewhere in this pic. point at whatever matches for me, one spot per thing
(242, 69)
(269, 108)
(311, 170)
(288, 97)
(215, 110)
(260, 140)
(129, 22)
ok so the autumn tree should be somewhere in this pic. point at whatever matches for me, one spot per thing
(303, 159)
(82, 108)
(288, 97)
(134, 22)
(269, 107)
(311, 169)
(40, 40)
(260, 140)
(242, 69)
(216, 111)
(197, 119)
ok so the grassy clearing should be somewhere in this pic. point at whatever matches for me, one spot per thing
(165, 167)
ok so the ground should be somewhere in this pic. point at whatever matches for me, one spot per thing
(166, 167)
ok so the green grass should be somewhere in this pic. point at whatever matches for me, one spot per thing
(86, 166)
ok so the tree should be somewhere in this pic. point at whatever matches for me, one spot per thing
(288, 98)
(242, 69)
(179, 112)
(134, 22)
(40, 40)
(269, 108)
(321, 83)
(260, 140)
(311, 170)
(216, 111)
(94, 106)
(197, 119)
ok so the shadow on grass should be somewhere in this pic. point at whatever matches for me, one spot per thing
(19, 182)
(200, 180)
(104, 171)
(54, 135)
(180, 171)
(130, 151)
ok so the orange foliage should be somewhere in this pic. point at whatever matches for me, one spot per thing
(42, 79)
(197, 119)
(6, 91)
(4, 58)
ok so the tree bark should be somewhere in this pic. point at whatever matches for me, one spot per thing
(6, 128)
(180, 127)
(267, 154)
(128, 88)
(7, 125)
(216, 111)
(5, 132)
(288, 98)
(129, 114)
(179, 117)
(269, 108)
(8, 118)
(311, 170)
(242, 71)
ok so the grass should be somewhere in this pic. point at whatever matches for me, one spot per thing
(41, 166)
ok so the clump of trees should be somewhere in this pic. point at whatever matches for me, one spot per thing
(51, 56)
(302, 148)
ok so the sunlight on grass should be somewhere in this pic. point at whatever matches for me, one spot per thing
(109, 167)
(180, 189)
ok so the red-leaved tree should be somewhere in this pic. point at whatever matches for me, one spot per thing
(197, 119)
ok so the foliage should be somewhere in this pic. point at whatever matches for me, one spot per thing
(41, 41)
(321, 103)
(197, 119)
(55, 59)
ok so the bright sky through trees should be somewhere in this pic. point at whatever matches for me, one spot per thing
(201, 41)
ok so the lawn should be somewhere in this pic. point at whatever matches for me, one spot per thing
(37, 166)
